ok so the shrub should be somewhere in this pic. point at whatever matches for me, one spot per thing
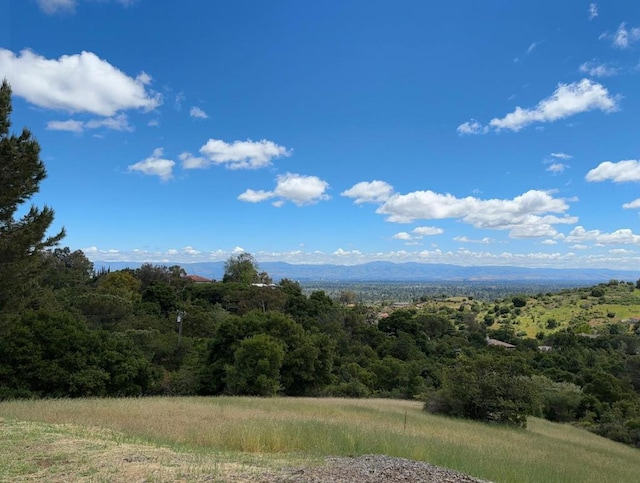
(485, 389)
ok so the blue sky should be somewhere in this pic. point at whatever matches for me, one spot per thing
(474, 133)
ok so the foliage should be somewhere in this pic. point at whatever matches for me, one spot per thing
(485, 388)
(21, 239)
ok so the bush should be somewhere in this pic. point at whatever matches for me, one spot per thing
(486, 389)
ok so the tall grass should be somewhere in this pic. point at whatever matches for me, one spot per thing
(544, 452)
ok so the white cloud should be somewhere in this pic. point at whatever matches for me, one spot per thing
(403, 235)
(527, 215)
(252, 196)
(567, 100)
(593, 11)
(620, 172)
(346, 253)
(579, 247)
(75, 83)
(427, 231)
(464, 239)
(369, 192)
(595, 69)
(624, 236)
(549, 241)
(561, 156)
(116, 123)
(471, 127)
(155, 165)
(198, 113)
(236, 155)
(623, 38)
(296, 188)
(69, 125)
(556, 168)
(633, 205)
(418, 233)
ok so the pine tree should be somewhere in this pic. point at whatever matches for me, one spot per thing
(22, 239)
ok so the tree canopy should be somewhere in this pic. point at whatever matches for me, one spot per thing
(21, 238)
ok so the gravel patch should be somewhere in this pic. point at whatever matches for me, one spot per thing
(371, 469)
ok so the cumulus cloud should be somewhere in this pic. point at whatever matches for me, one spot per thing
(296, 188)
(593, 11)
(155, 165)
(418, 233)
(620, 172)
(525, 216)
(76, 83)
(596, 69)
(369, 192)
(116, 123)
(624, 236)
(198, 113)
(633, 205)
(566, 101)
(236, 155)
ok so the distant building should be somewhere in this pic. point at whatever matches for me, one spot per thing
(198, 279)
(545, 348)
(499, 343)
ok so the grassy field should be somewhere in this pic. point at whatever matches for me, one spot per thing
(225, 439)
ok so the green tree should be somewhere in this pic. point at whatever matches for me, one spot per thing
(242, 269)
(23, 238)
(256, 368)
(484, 388)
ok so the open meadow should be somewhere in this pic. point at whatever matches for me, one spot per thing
(239, 438)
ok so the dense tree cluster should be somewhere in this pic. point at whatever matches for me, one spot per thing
(69, 330)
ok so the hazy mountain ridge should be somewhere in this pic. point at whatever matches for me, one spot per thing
(400, 272)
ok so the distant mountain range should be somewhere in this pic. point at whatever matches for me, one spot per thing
(402, 272)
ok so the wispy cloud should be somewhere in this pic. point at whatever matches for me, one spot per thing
(198, 113)
(58, 6)
(623, 38)
(596, 69)
(593, 11)
(115, 123)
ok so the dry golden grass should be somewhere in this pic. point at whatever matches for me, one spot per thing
(222, 437)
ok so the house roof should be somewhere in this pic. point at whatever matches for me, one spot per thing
(499, 343)
(198, 278)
